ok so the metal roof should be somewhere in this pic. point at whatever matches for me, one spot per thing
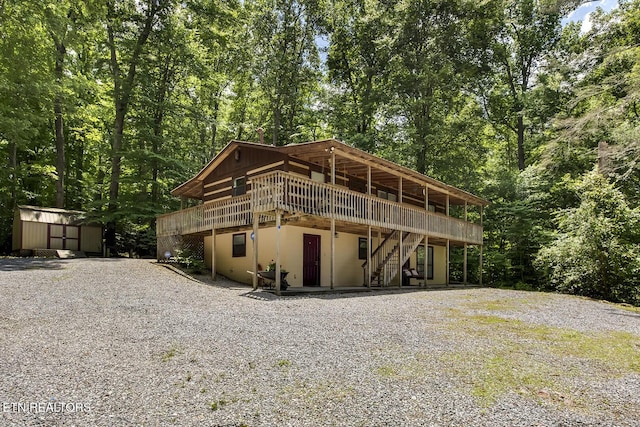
(348, 158)
(50, 215)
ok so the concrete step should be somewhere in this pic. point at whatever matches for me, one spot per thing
(65, 253)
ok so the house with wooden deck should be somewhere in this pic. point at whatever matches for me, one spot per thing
(328, 213)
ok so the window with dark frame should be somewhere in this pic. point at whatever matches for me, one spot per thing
(239, 186)
(240, 245)
(420, 261)
(362, 248)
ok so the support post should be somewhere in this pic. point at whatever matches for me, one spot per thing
(213, 253)
(378, 243)
(425, 261)
(400, 260)
(333, 252)
(333, 217)
(369, 247)
(464, 266)
(256, 218)
(448, 261)
(369, 217)
(426, 236)
(480, 274)
(278, 219)
(400, 263)
(464, 262)
(481, 245)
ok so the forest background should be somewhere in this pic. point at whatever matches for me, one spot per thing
(105, 106)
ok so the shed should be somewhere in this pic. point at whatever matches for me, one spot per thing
(37, 228)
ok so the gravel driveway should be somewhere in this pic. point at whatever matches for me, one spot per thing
(129, 342)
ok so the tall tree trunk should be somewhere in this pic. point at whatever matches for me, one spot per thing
(114, 186)
(520, 128)
(121, 96)
(158, 118)
(214, 124)
(422, 119)
(276, 125)
(59, 125)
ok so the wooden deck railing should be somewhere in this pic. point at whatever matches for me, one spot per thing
(232, 212)
(280, 190)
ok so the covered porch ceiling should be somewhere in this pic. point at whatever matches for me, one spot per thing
(354, 162)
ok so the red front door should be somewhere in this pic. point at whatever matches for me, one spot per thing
(311, 260)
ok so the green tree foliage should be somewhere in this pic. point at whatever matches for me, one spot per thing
(286, 64)
(358, 68)
(106, 106)
(529, 31)
(595, 251)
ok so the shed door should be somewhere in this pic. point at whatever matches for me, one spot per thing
(64, 237)
(311, 260)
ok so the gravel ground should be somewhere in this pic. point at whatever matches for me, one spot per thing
(130, 342)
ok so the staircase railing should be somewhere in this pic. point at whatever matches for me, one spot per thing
(385, 263)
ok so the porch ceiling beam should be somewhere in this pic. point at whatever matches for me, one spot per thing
(380, 174)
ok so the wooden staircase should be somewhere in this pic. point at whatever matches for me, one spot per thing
(386, 259)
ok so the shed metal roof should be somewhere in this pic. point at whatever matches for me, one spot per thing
(50, 215)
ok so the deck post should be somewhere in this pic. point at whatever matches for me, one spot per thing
(370, 216)
(481, 244)
(448, 261)
(448, 244)
(400, 263)
(333, 251)
(400, 260)
(480, 275)
(425, 261)
(256, 219)
(464, 262)
(213, 253)
(426, 236)
(369, 245)
(447, 205)
(278, 219)
(464, 266)
(333, 217)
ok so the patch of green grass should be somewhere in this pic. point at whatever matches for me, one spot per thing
(387, 371)
(170, 353)
(317, 394)
(486, 320)
(217, 405)
(284, 363)
(531, 299)
(628, 307)
(538, 360)
(502, 373)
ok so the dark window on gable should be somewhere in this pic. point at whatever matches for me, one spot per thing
(420, 261)
(240, 245)
(362, 248)
(239, 186)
